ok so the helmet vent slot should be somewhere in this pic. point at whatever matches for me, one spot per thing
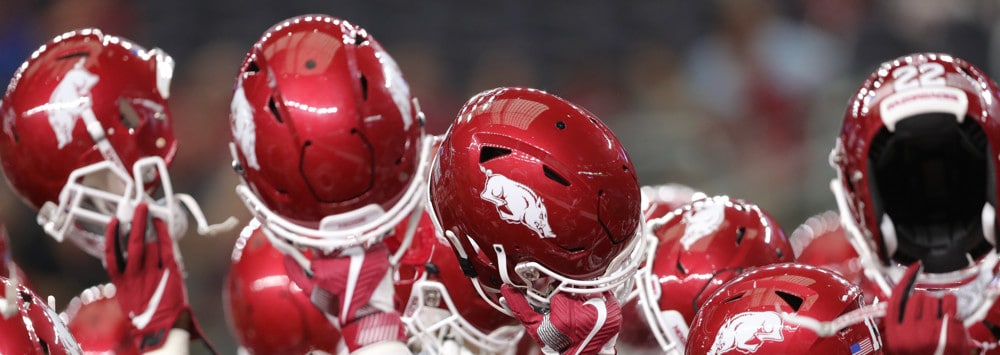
(792, 300)
(733, 299)
(364, 88)
(490, 153)
(73, 55)
(554, 176)
(274, 109)
(252, 68)
(680, 267)
(127, 114)
(739, 234)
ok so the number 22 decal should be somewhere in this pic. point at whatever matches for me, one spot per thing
(914, 76)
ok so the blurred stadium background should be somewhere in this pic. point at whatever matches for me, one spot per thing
(736, 97)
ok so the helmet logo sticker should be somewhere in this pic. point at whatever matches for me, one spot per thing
(747, 331)
(517, 204)
(700, 221)
(69, 100)
(397, 87)
(243, 128)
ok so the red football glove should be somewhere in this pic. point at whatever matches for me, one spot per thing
(918, 322)
(149, 284)
(354, 287)
(573, 324)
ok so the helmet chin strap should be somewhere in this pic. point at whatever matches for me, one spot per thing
(536, 299)
(96, 131)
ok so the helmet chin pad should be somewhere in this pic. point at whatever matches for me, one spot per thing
(931, 176)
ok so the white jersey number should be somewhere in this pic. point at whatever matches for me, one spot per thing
(914, 76)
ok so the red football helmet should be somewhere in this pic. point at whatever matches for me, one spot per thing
(266, 311)
(751, 314)
(916, 165)
(326, 136)
(699, 247)
(96, 319)
(29, 326)
(516, 159)
(86, 128)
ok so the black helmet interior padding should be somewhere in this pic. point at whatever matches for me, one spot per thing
(932, 176)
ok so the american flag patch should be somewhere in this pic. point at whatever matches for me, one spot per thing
(862, 347)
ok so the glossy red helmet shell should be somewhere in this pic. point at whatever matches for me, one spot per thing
(266, 311)
(543, 181)
(438, 303)
(742, 317)
(45, 136)
(29, 326)
(96, 320)
(323, 122)
(901, 93)
(701, 246)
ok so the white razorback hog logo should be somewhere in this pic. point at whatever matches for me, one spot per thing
(241, 122)
(702, 220)
(397, 87)
(517, 204)
(747, 331)
(69, 100)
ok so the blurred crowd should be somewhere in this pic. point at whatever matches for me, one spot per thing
(737, 97)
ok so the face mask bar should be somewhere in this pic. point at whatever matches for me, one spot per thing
(619, 273)
(423, 322)
(663, 324)
(375, 226)
(84, 205)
